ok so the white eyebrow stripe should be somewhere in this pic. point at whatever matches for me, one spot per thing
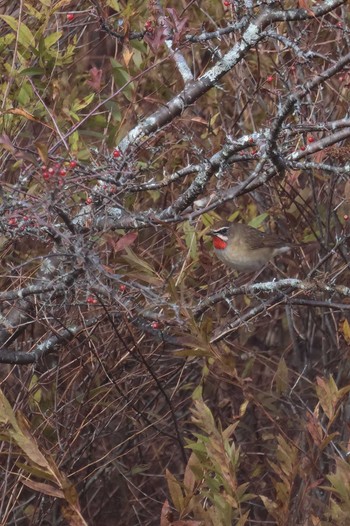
(221, 230)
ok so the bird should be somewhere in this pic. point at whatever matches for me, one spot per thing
(245, 248)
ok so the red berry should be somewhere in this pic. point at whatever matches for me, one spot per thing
(44, 168)
(12, 221)
(73, 164)
(155, 325)
(122, 288)
(70, 17)
(302, 148)
(46, 175)
(63, 172)
(25, 218)
(346, 217)
(269, 78)
(89, 201)
(226, 3)
(116, 154)
(310, 139)
(51, 171)
(341, 79)
(91, 300)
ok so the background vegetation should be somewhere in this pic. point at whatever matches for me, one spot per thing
(142, 382)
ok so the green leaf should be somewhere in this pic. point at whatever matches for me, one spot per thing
(113, 107)
(137, 262)
(25, 36)
(74, 116)
(137, 59)
(25, 94)
(139, 45)
(74, 142)
(34, 389)
(122, 77)
(32, 72)
(52, 38)
(258, 220)
(114, 4)
(6, 41)
(197, 393)
(82, 103)
(234, 216)
(190, 239)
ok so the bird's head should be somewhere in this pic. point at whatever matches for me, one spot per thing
(220, 237)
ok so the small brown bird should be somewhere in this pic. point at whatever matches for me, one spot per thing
(245, 248)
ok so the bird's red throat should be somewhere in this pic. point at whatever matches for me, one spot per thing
(219, 243)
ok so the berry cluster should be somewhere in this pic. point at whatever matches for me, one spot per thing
(91, 300)
(149, 26)
(20, 225)
(310, 140)
(57, 169)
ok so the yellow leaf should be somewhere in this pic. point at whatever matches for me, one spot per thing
(175, 491)
(42, 151)
(281, 377)
(23, 438)
(26, 115)
(127, 55)
(328, 395)
(345, 329)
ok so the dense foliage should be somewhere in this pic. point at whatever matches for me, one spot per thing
(143, 382)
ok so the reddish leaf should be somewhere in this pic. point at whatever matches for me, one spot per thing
(95, 78)
(125, 241)
(178, 24)
(5, 141)
(156, 39)
(43, 487)
(314, 428)
(166, 515)
(306, 4)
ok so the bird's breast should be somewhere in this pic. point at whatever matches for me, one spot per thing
(244, 260)
(219, 244)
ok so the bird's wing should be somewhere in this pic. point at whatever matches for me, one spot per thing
(261, 239)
